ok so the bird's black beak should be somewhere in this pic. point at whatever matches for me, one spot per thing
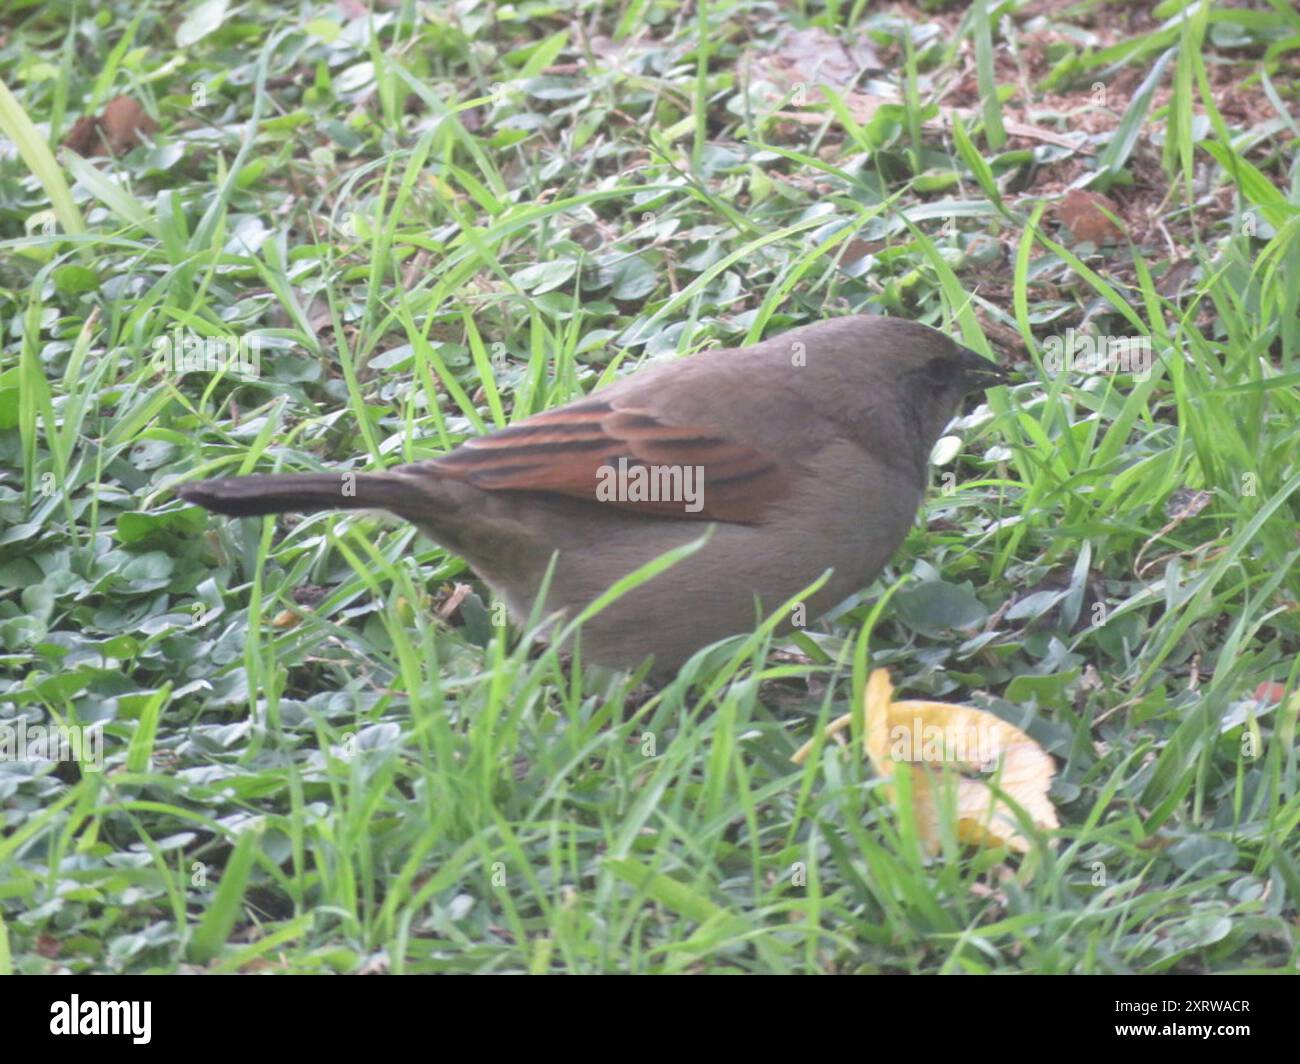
(979, 371)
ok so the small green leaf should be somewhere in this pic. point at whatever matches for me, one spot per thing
(937, 604)
(73, 280)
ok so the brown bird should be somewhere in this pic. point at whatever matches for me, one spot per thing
(807, 452)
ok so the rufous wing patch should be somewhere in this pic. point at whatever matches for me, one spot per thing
(575, 450)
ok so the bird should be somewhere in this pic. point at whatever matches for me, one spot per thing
(804, 456)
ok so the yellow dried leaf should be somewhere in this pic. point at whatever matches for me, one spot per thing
(933, 742)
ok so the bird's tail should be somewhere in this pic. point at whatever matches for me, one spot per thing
(274, 493)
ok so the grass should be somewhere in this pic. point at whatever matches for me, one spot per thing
(321, 753)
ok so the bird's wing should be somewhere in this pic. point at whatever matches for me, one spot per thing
(611, 452)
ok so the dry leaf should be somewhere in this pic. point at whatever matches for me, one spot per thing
(451, 604)
(932, 742)
(807, 60)
(83, 137)
(1085, 214)
(814, 57)
(119, 129)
